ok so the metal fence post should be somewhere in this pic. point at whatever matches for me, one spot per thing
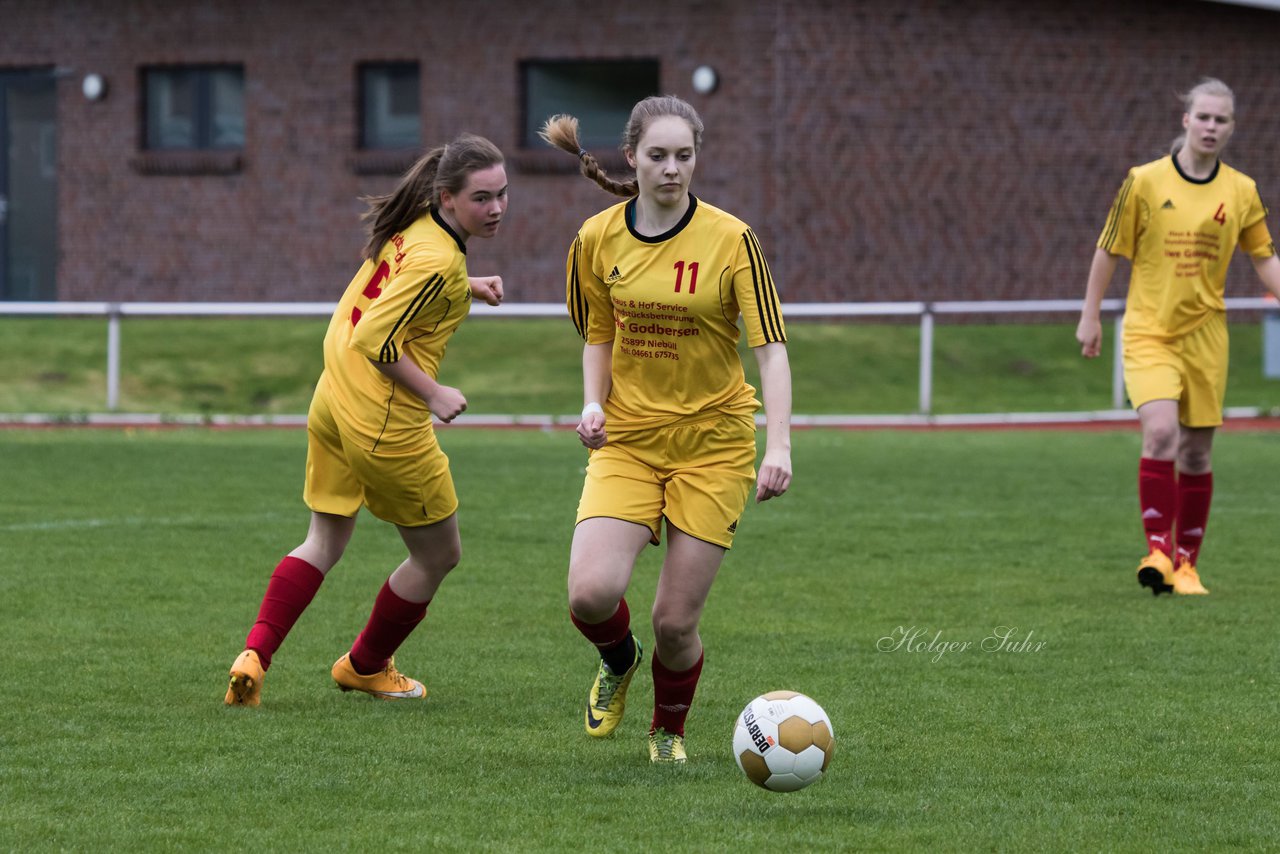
(1117, 364)
(926, 361)
(113, 357)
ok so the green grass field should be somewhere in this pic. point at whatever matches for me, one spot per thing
(246, 366)
(132, 563)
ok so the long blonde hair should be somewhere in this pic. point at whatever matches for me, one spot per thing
(443, 168)
(562, 132)
(1206, 86)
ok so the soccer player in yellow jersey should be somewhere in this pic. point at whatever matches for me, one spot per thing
(1178, 220)
(369, 437)
(656, 286)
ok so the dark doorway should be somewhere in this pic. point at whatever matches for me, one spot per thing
(28, 186)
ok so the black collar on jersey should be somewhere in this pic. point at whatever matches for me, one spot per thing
(462, 247)
(666, 235)
(1212, 175)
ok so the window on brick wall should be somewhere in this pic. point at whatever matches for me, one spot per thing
(389, 106)
(193, 107)
(600, 93)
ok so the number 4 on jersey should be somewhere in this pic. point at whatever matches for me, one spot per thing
(1221, 216)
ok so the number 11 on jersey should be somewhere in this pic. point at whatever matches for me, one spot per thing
(693, 275)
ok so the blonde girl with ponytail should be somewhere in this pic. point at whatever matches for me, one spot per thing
(1178, 220)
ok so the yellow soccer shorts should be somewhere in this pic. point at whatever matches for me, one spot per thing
(1191, 370)
(697, 475)
(408, 487)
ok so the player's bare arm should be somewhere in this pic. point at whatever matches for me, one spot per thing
(1268, 270)
(1089, 330)
(597, 380)
(446, 403)
(775, 379)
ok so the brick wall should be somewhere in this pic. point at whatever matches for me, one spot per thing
(920, 149)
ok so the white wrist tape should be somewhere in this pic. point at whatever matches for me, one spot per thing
(592, 407)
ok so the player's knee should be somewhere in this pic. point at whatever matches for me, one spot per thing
(1193, 460)
(437, 562)
(591, 601)
(450, 557)
(1160, 441)
(674, 630)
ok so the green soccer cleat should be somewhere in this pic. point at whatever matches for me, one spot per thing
(245, 688)
(608, 698)
(386, 684)
(666, 746)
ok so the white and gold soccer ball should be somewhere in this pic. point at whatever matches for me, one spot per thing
(783, 741)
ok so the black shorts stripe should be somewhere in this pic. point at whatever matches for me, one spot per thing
(766, 294)
(430, 290)
(1112, 229)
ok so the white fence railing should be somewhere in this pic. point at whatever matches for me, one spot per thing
(926, 311)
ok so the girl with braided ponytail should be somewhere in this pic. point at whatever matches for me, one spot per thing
(369, 436)
(656, 286)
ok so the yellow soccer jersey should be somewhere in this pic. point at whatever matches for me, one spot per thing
(670, 305)
(406, 302)
(1180, 233)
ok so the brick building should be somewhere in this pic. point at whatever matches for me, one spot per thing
(916, 149)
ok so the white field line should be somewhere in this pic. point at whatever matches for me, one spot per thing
(145, 521)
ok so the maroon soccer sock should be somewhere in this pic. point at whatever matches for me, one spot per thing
(673, 694)
(1158, 498)
(292, 586)
(392, 620)
(612, 631)
(1195, 491)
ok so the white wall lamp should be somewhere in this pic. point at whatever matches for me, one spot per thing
(94, 87)
(705, 80)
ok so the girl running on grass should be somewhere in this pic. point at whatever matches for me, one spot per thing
(1178, 220)
(656, 285)
(370, 441)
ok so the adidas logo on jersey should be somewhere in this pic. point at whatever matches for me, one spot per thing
(613, 276)
(1167, 206)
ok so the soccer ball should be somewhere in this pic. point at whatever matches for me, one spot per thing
(783, 741)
